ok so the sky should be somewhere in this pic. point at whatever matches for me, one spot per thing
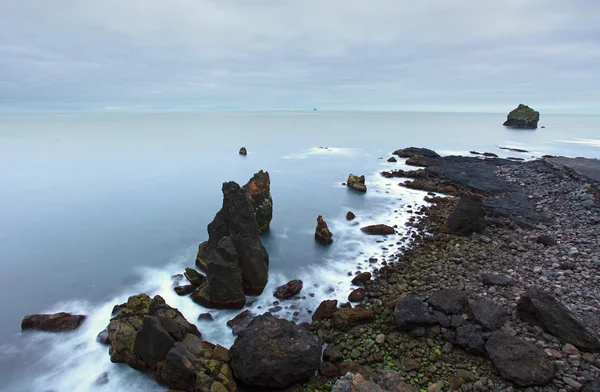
(426, 55)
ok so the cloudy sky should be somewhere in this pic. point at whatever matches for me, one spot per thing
(449, 55)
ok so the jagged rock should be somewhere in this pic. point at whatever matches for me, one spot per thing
(496, 280)
(361, 278)
(350, 216)
(202, 257)
(322, 233)
(325, 310)
(356, 295)
(237, 220)
(224, 287)
(449, 301)
(519, 361)
(543, 309)
(194, 277)
(185, 290)
(412, 312)
(289, 289)
(413, 151)
(522, 117)
(274, 353)
(102, 337)
(468, 216)
(470, 340)
(240, 322)
(345, 318)
(356, 183)
(243, 151)
(58, 322)
(487, 314)
(378, 229)
(153, 342)
(546, 240)
(258, 191)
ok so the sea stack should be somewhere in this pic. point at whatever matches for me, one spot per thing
(243, 151)
(522, 117)
(322, 233)
(258, 191)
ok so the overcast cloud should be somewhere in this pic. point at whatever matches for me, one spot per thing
(468, 55)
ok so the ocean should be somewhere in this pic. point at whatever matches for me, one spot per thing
(97, 207)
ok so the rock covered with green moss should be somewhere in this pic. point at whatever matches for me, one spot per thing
(522, 117)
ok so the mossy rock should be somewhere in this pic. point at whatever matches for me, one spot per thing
(522, 117)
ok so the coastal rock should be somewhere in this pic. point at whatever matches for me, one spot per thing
(223, 288)
(325, 310)
(361, 278)
(185, 290)
(153, 342)
(289, 289)
(202, 257)
(414, 151)
(258, 191)
(412, 312)
(489, 279)
(378, 229)
(322, 233)
(522, 117)
(356, 295)
(57, 322)
(546, 240)
(356, 183)
(418, 160)
(345, 318)
(468, 216)
(540, 308)
(392, 160)
(102, 337)
(449, 301)
(243, 151)
(194, 277)
(237, 220)
(519, 361)
(593, 386)
(470, 340)
(487, 314)
(274, 353)
(240, 322)
(350, 216)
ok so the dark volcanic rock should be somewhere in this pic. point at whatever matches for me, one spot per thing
(322, 233)
(361, 278)
(185, 290)
(378, 229)
(392, 159)
(153, 342)
(449, 301)
(102, 337)
(325, 310)
(468, 217)
(243, 151)
(593, 386)
(258, 191)
(413, 151)
(237, 220)
(274, 353)
(356, 183)
(546, 240)
(487, 314)
(522, 117)
(345, 318)
(470, 340)
(57, 322)
(350, 215)
(496, 280)
(194, 277)
(202, 257)
(289, 289)
(223, 289)
(240, 322)
(412, 312)
(356, 295)
(519, 361)
(543, 309)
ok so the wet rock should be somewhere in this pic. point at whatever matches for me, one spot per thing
(205, 317)
(538, 307)
(392, 159)
(384, 381)
(333, 354)
(57, 322)
(378, 229)
(361, 278)
(412, 312)
(468, 217)
(449, 301)
(102, 379)
(258, 191)
(202, 256)
(243, 151)
(194, 277)
(240, 322)
(325, 310)
(522, 117)
(102, 337)
(345, 318)
(489, 279)
(274, 353)
(356, 183)
(470, 340)
(185, 290)
(546, 240)
(413, 151)
(322, 233)
(487, 314)
(153, 342)
(350, 215)
(519, 361)
(356, 295)
(223, 288)
(289, 289)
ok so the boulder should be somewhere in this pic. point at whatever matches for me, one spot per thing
(356, 295)
(240, 322)
(237, 220)
(350, 215)
(243, 151)
(322, 233)
(357, 183)
(392, 159)
(378, 229)
(185, 290)
(194, 277)
(153, 342)
(361, 278)
(274, 353)
(57, 322)
(289, 289)
(538, 307)
(469, 339)
(468, 217)
(519, 361)
(413, 151)
(546, 240)
(325, 310)
(345, 318)
(487, 314)
(258, 191)
(224, 286)
(449, 301)
(489, 279)
(412, 312)
(522, 117)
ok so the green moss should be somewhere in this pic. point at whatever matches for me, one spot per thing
(523, 112)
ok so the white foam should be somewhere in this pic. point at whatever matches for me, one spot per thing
(322, 151)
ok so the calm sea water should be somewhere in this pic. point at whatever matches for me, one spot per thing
(95, 208)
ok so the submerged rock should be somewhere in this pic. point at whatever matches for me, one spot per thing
(522, 117)
(322, 233)
(468, 217)
(274, 353)
(356, 183)
(258, 191)
(378, 229)
(57, 322)
(185, 290)
(289, 289)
